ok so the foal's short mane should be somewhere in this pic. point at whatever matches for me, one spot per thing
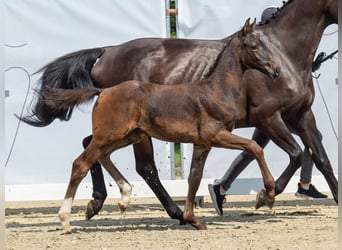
(274, 15)
(227, 42)
(214, 65)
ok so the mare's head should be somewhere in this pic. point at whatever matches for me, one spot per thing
(332, 10)
(255, 53)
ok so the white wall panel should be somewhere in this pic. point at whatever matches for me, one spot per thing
(40, 31)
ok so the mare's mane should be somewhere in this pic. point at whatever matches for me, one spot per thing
(274, 15)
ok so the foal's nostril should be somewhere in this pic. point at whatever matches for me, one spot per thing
(276, 72)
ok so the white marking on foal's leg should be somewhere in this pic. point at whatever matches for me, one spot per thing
(126, 192)
(64, 215)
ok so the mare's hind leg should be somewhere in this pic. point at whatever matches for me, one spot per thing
(228, 140)
(146, 168)
(99, 187)
(124, 186)
(80, 168)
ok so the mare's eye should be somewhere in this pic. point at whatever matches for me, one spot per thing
(254, 47)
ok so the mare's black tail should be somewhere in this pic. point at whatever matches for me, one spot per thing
(71, 71)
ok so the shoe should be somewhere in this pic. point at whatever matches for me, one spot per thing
(311, 194)
(217, 198)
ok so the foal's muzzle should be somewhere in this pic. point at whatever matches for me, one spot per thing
(274, 70)
(276, 73)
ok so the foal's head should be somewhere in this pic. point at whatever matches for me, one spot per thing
(255, 53)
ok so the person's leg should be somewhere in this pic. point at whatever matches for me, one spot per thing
(306, 170)
(305, 189)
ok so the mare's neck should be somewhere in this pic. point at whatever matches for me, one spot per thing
(297, 30)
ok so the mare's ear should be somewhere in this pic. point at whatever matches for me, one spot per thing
(245, 28)
(253, 25)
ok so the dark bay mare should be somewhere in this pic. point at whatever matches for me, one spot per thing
(204, 113)
(276, 107)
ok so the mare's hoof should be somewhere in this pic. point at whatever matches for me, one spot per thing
(93, 208)
(178, 215)
(262, 199)
(182, 221)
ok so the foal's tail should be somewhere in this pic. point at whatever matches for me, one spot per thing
(71, 71)
(62, 100)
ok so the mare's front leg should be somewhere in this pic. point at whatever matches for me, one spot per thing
(80, 168)
(124, 186)
(99, 188)
(146, 168)
(226, 139)
(199, 157)
(307, 130)
(275, 128)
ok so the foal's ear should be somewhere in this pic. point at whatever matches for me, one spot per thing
(253, 25)
(245, 28)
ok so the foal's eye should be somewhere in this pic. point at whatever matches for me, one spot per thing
(254, 47)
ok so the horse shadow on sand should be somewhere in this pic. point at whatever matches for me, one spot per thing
(110, 219)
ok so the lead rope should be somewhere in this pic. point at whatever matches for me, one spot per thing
(25, 100)
(22, 109)
(315, 66)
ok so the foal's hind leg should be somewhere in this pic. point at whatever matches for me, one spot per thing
(124, 186)
(99, 187)
(80, 168)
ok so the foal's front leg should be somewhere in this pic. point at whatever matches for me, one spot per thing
(228, 140)
(199, 157)
(242, 160)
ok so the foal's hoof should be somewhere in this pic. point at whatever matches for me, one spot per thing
(93, 208)
(122, 206)
(66, 231)
(65, 221)
(201, 226)
(197, 224)
(262, 199)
